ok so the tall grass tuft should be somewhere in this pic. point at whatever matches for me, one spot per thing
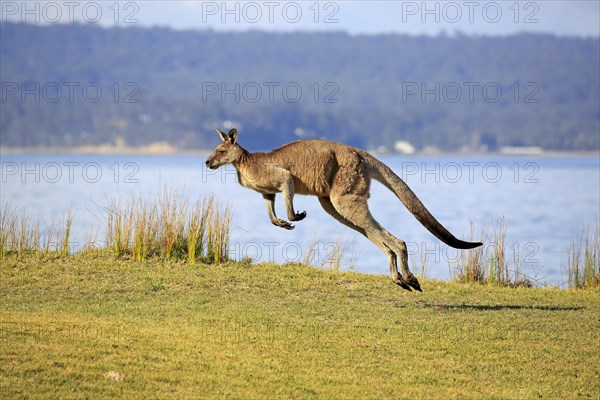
(335, 253)
(168, 226)
(197, 226)
(173, 210)
(499, 273)
(145, 229)
(66, 234)
(583, 260)
(217, 232)
(329, 255)
(469, 266)
(422, 267)
(21, 233)
(7, 223)
(119, 225)
(18, 234)
(488, 264)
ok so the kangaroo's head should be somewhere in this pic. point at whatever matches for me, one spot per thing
(227, 152)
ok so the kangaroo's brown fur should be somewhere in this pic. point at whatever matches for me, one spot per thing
(340, 176)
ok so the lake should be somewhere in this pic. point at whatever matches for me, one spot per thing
(545, 202)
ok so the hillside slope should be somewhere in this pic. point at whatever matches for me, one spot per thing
(92, 326)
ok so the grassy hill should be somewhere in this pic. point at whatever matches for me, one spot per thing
(90, 326)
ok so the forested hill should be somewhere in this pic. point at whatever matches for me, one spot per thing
(74, 85)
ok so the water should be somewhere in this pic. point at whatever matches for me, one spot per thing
(545, 203)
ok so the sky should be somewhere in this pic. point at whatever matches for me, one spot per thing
(503, 17)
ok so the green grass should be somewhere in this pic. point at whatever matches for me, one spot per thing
(92, 326)
(489, 264)
(165, 225)
(583, 260)
(169, 226)
(22, 233)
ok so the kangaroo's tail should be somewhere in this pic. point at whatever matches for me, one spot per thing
(382, 173)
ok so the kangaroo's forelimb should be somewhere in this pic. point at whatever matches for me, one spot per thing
(269, 199)
(287, 192)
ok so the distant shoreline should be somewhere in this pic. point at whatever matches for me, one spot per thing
(163, 148)
(158, 148)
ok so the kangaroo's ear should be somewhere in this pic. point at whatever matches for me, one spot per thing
(232, 136)
(223, 135)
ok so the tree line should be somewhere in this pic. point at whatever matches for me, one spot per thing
(76, 84)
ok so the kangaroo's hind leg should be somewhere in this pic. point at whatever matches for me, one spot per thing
(353, 211)
(399, 247)
(330, 209)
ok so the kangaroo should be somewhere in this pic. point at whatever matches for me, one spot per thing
(340, 176)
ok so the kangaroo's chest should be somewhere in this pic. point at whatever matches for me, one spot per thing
(258, 182)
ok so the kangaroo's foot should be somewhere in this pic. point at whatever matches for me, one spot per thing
(413, 282)
(400, 282)
(298, 216)
(282, 224)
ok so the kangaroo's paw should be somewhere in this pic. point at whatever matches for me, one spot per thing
(400, 282)
(413, 282)
(298, 216)
(283, 224)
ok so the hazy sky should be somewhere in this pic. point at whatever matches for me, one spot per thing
(357, 17)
